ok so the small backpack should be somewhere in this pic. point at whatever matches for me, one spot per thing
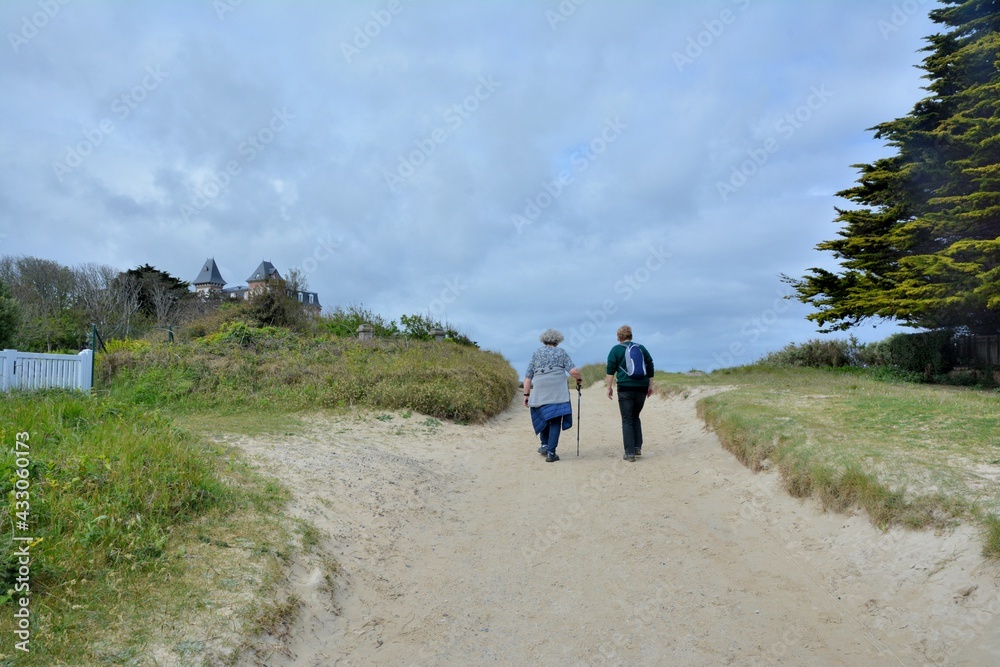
(635, 363)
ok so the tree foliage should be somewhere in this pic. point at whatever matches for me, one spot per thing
(924, 248)
(56, 304)
(159, 293)
(10, 317)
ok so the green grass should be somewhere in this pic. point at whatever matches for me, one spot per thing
(273, 371)
(908, 454)
(137, 527)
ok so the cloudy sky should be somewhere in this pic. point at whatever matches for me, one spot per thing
(502, 166)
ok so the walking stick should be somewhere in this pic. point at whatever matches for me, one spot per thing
(578, 395)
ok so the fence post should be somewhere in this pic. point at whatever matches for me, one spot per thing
(85, 379)
(366, 332)
(8, 369)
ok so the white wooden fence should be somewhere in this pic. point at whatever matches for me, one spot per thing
(30, 370)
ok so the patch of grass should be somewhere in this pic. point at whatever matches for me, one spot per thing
(907, 454)
(239, 420)
(991, 541)
(144, 533)
(592, 373)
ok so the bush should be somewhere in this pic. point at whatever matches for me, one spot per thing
(344, 322)
(817, 354)
(275, 308)
(928, 353)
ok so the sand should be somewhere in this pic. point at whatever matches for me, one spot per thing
(459, 545)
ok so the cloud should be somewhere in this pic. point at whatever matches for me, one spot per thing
(267, 132)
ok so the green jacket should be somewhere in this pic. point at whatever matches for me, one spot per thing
(616, 366)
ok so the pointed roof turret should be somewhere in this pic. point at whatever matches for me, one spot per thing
(209, 274)
(264, 272)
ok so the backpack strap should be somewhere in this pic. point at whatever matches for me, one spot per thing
(626, 345)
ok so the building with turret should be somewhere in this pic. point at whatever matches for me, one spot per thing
(210, 283)
(210, 279)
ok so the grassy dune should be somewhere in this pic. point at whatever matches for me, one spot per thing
(909, 454)
(271, 370)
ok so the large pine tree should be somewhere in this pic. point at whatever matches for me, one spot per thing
(924, 249)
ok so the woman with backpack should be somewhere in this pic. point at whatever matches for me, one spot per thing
(546, 392)
(631, 365)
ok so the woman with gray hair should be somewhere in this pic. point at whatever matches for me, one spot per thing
(546, 392)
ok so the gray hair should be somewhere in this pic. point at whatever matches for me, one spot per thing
(551, 337)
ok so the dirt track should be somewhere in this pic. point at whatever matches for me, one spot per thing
(459, 545)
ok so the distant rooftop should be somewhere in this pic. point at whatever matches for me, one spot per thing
(209, 274)
(265, 271)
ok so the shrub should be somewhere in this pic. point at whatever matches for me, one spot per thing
(275, 308)
(816, 354)
(344, 323)
(131, 345)
(929, 352)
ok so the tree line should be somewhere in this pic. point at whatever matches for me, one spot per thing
(46, 306)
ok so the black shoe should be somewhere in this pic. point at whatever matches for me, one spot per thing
(552, 456)
(638, 452)
(543, 451)
(627, 457)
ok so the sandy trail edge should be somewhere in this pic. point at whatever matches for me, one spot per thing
(460, 546)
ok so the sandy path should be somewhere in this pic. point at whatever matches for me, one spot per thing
(460, 546)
